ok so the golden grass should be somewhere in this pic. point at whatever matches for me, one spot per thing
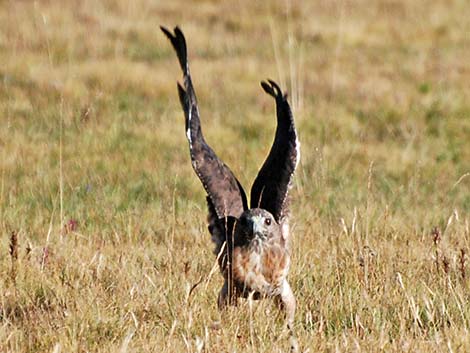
(104, 238)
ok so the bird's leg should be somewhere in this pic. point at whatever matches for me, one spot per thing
(225, 297)
(223, 294)
(286, 301)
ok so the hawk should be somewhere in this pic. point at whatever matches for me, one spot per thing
(251, 242)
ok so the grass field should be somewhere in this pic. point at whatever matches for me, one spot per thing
(104, 246)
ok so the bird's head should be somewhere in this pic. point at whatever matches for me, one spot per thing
(258, 224)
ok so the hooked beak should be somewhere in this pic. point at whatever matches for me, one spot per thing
(256, 228)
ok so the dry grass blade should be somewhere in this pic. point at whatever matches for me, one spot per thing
(110, 251)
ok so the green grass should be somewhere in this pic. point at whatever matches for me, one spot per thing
(92, 131)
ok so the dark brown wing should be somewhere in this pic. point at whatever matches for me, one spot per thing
(224, 190)
(270, 188)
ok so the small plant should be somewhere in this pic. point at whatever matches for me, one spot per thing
(462, 259)
(13, 254)
(436, 239)
(445, 264)
(70, 226)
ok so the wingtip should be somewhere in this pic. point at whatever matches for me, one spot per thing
(271, 88)
(178, 31)
(166, 31)
(277, 89)
(274, 85)
(178, 42)
(267, 88)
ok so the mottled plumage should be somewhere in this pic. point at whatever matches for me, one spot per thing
(252, 244)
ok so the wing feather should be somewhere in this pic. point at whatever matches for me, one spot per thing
(227, 196)
(270, 189)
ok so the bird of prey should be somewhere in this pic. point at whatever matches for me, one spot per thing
(251, 242)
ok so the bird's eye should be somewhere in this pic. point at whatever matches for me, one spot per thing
(267, 221)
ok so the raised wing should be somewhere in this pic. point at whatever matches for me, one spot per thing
(226, 195)
(270, 188)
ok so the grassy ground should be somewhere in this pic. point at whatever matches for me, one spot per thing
(108, 218)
